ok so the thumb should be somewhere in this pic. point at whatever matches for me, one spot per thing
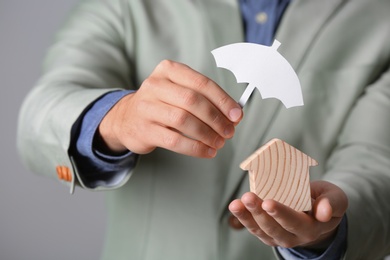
(329, 201)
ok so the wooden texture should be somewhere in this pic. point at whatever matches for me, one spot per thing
(280, 172)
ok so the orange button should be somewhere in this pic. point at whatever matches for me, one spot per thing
(63, 173)
(235, 223)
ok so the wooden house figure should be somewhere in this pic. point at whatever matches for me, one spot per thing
(280, 172)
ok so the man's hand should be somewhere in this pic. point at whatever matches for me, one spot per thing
(278, 225)
(176, 108)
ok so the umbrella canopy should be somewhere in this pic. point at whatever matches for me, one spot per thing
(264, 68)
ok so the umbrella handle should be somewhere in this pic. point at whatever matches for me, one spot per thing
(245, 96)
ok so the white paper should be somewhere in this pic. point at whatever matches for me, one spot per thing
(264, 68)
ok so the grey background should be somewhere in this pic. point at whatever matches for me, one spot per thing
(39, 219)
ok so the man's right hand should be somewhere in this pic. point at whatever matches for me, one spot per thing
(176, 108)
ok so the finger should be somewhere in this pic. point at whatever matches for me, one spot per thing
(322, 210)
(185, 76)
(267, 223)
(239, 210)
(201, 108)
(183, 122)
(288, 218)
(303, 227)
(193, 102)
(330, 200)
(173, 141)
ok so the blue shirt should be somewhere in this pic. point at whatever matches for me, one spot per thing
(261, 19)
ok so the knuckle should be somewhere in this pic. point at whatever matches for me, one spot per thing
(171, 141)
(210, 136)
(190, 98)
(201, 82)
(271, 231)
(243, 215)
(166, 64)
(259, 213)
(223, 100)
(216, 118)
(149, 82)
(178, 118)
(256, 232)
(196, 148)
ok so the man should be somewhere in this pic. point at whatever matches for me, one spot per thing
(117, 109)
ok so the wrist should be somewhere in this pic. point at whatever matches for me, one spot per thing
(105, 139)
(323, 242)
(107, 147)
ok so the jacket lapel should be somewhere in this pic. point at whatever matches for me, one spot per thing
(299, 28)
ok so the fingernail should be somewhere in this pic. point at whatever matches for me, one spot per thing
(267, 208)
(250, 205)
(269, 211)
(229, 130)
(219, 142)
(235, 114)
(212, 152)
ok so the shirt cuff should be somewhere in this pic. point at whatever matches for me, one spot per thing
(335, 250)
(95, 167)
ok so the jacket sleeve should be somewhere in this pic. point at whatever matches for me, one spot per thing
(360, 165)
(86, 61)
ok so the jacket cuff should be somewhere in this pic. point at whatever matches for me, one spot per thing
(94, 168)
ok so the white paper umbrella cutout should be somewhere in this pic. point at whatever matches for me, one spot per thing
(264, 68)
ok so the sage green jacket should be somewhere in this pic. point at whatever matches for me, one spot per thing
(175, 207)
